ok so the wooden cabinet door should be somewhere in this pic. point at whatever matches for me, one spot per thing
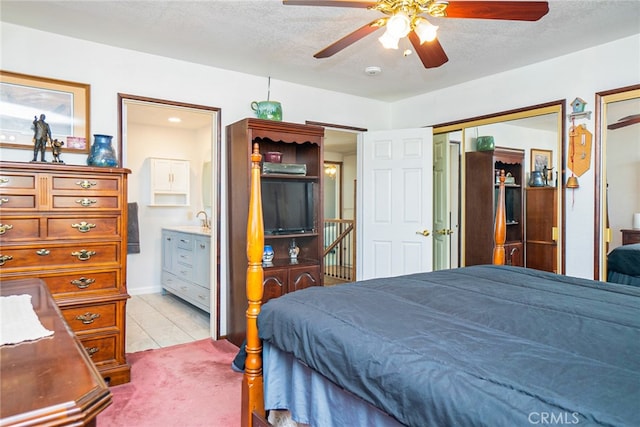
(202, 261)
(303, 277)
(274, 283)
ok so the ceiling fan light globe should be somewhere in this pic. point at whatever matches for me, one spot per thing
(389, 41)
(399, 25)
(426, 31)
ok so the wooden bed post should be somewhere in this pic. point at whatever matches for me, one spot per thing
(500, 226)
(252, 390)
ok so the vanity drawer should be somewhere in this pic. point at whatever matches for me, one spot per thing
(185, 241)
(48, 257)
(184, 257)
(184, 272)
(83, 227)
(91, 317)
(101, 350)
(19, 228)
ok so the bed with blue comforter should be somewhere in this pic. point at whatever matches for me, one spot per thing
(623, 265)
(482, 345)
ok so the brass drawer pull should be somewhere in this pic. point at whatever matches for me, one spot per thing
(4, 180)
(86, 184)
(5, 258)
(87, 318)
(43, 252)
(91, 351)
(3, 201)
(83, 255)
(5, 227)
(83, 227)
(83, 282)
(86, 202)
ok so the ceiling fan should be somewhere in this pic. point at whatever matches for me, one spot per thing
(407, 18)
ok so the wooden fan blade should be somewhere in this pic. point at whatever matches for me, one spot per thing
(508, 10)
(348, 40)
(330, 3)
(625, 121)
(431, 53)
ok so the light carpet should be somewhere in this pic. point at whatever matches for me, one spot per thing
(186, 385)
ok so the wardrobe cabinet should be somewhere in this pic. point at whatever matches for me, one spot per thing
(481, 189)
(541, 226)
(67, 225)
(169, 182)
(301, 148)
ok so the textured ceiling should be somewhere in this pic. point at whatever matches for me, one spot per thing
(266, 38)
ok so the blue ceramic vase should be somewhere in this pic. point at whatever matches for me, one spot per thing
(102, 153)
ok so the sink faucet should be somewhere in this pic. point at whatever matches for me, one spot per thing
(205, 222)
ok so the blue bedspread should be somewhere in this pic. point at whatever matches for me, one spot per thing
(623, 265)
(482, 345)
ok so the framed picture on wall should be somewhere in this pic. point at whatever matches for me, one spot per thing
(541, 159)
(64, 104)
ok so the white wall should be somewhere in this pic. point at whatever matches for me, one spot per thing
(112, 70)
(581, 74)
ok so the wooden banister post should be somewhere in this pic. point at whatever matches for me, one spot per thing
(252, 382)
(500, 225)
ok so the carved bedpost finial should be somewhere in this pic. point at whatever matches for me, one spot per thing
(500, 225)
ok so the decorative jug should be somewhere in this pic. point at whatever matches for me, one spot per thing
(267, 255)
(536, 179)
(102, 153)
(270, 110)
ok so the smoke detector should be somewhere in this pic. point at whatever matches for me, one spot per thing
(373, 70)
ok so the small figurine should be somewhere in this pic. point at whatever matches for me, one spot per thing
(41, 135)
(294, 250)
(56, 149)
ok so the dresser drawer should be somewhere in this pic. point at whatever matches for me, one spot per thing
(16, 180)
(19, 228)
(48, 257)
(101, 350)
(91, 317)
(83, 282)
(85, 202)
(83, 227)
(85, 184)
(10, 202)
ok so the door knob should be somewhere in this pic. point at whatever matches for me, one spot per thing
(425, 233)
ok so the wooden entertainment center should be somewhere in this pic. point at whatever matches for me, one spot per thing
(299, 145)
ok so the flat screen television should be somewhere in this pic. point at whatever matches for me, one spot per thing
(287, 206)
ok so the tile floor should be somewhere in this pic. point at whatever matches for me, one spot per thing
(156, 320)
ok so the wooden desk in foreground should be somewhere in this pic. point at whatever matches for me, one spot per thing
(51, 381)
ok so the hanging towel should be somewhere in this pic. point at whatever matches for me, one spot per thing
(133, 232)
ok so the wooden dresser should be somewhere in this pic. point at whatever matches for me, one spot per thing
(630, 236)
(50, 381)
(68, 226)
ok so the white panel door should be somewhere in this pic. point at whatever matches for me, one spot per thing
(396, 202)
